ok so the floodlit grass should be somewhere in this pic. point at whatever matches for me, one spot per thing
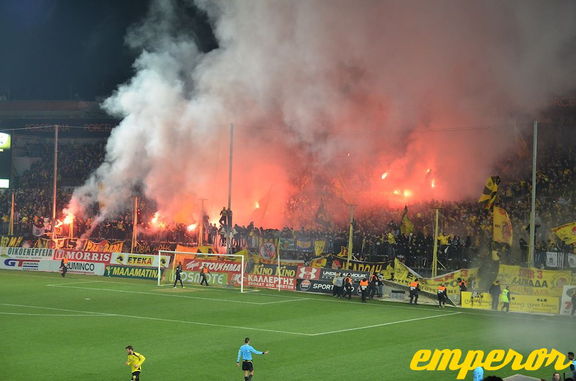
(76, 329)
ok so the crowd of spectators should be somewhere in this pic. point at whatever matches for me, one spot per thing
(465, 226)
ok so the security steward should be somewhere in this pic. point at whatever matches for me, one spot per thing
(505, 299)
(442, 295)
(348, 286)
(414, 290)
(373, 286)
(64, 266)
(462, 285)
(364, 289)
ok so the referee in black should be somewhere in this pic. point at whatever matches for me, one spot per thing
(178, 275)
(245, 353)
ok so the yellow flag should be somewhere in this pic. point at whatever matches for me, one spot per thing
(319, 246)
(566, 232)
(489, 193)
(502, 227)
(318, 262)
(406, 226)
(444, 239)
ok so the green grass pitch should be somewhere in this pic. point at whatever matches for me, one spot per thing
(76, 329)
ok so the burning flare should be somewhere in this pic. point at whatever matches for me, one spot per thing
(157, 222)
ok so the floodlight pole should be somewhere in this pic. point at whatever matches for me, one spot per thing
(350, 235)
(278, 262)
(54, 181)
(201, 227)
(229, 219)
(533, 199)
(435, 247)
(11, 227)
(134, 239)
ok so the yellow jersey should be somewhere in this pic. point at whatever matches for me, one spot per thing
(135, 361)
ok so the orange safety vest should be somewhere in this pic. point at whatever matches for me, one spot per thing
(413, 285)
(204, 270)
(65, 260)
(441, 289)
(364, 283)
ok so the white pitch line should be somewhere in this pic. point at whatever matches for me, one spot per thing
(48, 315)
(162, 319)
(84, 282)
(174, 296)
(286, 301)
(231, 326)
(384, 324)
(52, 308)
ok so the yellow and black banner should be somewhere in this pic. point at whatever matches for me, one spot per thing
(488, 196)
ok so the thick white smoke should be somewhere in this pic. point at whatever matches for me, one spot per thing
(326, 96)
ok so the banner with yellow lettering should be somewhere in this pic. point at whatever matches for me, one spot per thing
(518, 303)
(476, 300)
(104, 245)
(533, 281)
(196, 249)
(11, 241)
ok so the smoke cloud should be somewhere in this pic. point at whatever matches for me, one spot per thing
(375, 103)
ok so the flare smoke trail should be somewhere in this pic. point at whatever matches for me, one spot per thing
(327, 97)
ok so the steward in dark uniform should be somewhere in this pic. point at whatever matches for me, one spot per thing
(442, 295)
(373, 286)
(348, 286)
(64, 266)
(462, 285)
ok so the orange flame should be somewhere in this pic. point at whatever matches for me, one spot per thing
(384, 175)
(433, 183)
(68, 219)
(156, 222)
(257, 205)
(407, 193)
(191, 227)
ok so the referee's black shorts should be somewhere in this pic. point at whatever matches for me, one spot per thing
(135, 376)
(248, 366)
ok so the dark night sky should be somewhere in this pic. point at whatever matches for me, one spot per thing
(68, 49)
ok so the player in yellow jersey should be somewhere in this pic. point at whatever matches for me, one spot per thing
(135, 361)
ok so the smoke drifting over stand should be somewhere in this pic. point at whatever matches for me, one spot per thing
(366, 102)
